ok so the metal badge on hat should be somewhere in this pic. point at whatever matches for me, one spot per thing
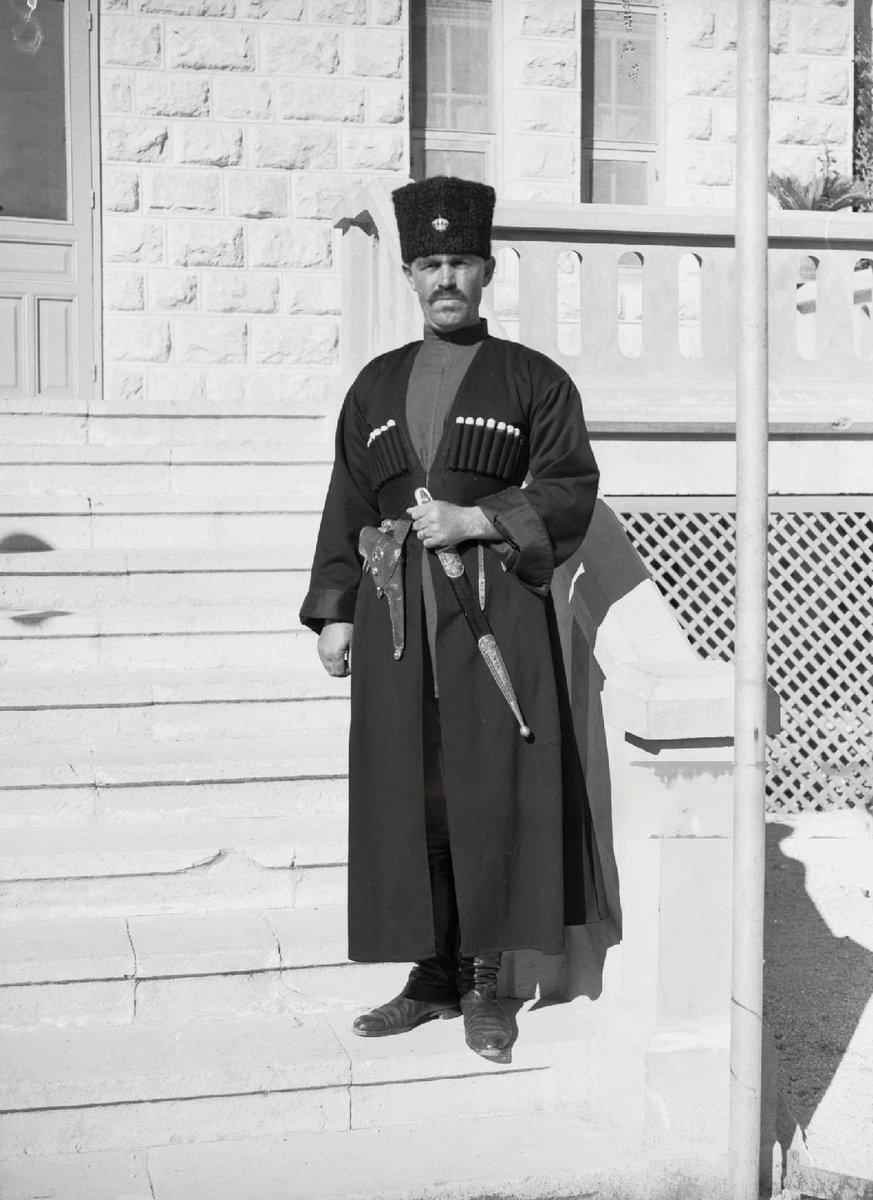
(440, 224)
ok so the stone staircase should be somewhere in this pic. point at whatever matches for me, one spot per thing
(175, 997)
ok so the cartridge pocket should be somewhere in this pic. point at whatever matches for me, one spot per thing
(386, 454)
(485, 446)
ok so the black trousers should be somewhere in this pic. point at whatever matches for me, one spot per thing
(436, 978)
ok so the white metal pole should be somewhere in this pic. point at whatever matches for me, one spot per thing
(750, 709)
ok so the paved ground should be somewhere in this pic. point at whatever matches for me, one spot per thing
(818, 984)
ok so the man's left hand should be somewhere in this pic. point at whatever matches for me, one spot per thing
(439, 524)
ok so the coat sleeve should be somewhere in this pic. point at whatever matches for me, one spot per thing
(544, 522)
(351, 504)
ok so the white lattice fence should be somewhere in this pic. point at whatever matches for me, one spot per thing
(820, 640)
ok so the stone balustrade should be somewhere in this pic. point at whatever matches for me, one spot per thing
(638, 305)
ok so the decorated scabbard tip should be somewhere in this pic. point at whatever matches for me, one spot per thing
(524, 730)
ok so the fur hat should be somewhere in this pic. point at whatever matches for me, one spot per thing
(444, 215)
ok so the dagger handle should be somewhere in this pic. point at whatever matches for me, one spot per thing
(449, 558)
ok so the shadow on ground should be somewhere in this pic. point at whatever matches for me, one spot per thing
(816, 987)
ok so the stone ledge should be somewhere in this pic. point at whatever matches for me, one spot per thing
(669, 701)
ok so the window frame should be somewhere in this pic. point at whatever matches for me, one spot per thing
(489, 143)
(651, 153)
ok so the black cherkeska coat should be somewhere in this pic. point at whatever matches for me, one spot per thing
(523, 851)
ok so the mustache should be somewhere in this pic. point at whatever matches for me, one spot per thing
(446, 294)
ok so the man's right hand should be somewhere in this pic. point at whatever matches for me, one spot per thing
(334, 647)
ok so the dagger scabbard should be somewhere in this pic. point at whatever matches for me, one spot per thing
(490, 651)
(453, 567)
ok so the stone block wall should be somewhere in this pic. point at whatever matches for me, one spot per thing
(231, 129)
(811, 53)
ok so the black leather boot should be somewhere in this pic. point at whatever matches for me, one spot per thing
(402, 1014)
(487, 1029)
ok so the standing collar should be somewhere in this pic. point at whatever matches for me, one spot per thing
(468, 336)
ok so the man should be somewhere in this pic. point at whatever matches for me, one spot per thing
(465, 839)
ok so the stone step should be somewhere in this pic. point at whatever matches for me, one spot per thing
(232, 878)
(225, 425)
(183, 637)
(165, 783)
(66, 950)
(153, 579)
(95, 457)
(171, 705)
(514, 1157)
(82, 971)
(98, 851)
(104, 689)
(267, 788)
(287, 861)
(100, 477)
(119, 1087)
(212, 521)
(104, 765)
(39, 590)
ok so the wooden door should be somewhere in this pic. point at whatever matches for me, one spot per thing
(48, 286)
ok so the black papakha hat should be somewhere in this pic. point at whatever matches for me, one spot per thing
(444, 215)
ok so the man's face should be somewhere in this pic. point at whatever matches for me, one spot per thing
(449, 288)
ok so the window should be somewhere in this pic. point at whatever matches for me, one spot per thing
(620, 125)
(47, 220)
(452, 100)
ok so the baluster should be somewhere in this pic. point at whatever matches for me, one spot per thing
(600, 352)
(862, 306)
(537, 301)
(784, 276)
(689, 314)
(836, 315)
(660, 347)
(717, 311)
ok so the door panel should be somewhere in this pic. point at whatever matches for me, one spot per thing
(43, 259)
(56, 323)
(12, 371)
